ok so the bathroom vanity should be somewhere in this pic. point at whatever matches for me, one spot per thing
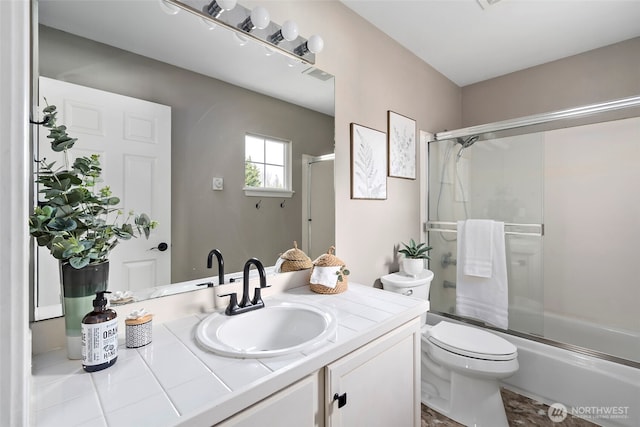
(366, 372)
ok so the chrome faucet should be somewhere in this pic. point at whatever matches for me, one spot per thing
(245, 303)
(218, 255)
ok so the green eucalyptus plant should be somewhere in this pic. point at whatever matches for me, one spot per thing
(75, 220)
(415, 250)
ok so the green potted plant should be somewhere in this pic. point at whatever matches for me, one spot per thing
(80, 224)
(414, 256)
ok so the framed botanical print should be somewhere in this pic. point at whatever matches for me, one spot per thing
(368, 163)
(402, 146)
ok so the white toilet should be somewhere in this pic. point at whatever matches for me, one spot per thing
(461, 365)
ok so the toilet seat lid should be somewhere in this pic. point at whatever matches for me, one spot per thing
(403, 280)
(471, 342)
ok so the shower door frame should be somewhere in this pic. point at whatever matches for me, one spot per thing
(550, 120)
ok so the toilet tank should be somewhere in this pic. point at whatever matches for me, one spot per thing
(416, 287)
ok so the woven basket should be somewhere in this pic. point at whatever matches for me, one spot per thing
(330, 260)
(295, 259)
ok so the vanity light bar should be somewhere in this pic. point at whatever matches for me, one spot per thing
(254, 24)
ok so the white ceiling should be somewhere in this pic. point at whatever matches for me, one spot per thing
(469, 44)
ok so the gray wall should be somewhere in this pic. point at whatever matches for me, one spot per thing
(209, 121)
(373, 74)
(599, 75)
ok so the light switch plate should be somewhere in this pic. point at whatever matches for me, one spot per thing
(218, 183)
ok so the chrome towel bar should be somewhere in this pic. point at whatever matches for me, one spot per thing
(514, 229)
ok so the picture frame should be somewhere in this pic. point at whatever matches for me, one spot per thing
(368, 163)
(401, 131)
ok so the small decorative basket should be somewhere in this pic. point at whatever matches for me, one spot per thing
(138, 329)
(295, 259)
(329, 274)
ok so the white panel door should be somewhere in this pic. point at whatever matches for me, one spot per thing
(318, 211)
(133, 138)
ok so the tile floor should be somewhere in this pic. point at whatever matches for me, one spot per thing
(521, 411)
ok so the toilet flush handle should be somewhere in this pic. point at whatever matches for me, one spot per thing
(408, 293)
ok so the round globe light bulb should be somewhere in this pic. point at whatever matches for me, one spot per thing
(241, 40)
(260, 17)
(289, 30)
(168, 8)
(209, 25)
(315, 44)
(227, 4)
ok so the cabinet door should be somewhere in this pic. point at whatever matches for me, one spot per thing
(377, 385)
(294, 406)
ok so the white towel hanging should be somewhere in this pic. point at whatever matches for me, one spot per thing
(484, 298)
(476, 242)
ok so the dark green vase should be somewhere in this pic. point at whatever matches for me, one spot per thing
(79, 287)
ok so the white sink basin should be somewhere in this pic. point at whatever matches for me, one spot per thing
(277, 329)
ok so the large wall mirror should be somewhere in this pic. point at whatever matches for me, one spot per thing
(219, 90)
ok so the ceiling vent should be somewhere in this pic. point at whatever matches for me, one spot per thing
(319, 74)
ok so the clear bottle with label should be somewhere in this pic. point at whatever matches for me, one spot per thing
(99, 336)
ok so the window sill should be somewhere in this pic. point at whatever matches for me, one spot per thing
(267, 192)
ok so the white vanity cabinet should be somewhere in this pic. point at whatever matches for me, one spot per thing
(296, 406)
(378, 384)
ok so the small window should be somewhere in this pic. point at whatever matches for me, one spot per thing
(267, 166)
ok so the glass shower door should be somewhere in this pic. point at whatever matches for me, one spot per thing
(499, 179)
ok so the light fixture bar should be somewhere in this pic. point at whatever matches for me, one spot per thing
(234, 19)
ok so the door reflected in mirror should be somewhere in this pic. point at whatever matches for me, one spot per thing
(210, 119)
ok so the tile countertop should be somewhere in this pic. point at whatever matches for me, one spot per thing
(173, 381)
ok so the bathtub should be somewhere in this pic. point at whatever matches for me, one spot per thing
(578, 332)
(602, 392)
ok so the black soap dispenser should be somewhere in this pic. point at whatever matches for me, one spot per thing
(99, 336)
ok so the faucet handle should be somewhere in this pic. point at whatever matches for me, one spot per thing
(233, 303)
(207, 284)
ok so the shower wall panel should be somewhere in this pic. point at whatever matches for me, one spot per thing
(592, 223)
